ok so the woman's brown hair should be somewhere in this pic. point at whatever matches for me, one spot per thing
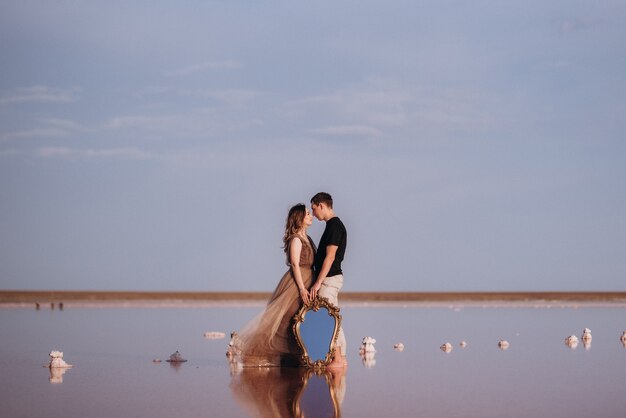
(294, 222)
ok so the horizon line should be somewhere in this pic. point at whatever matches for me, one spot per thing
(23, 296)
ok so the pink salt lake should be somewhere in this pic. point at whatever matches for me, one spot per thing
(112, 348)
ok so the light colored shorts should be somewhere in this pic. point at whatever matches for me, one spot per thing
(330, 290)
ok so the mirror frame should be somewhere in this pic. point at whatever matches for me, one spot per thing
(299, 318)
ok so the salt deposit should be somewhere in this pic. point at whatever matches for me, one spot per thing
(367, 345)
(446, 348)
(571, 341)
(214, 335)
(233, 349)
(56, 360)
(176, 357)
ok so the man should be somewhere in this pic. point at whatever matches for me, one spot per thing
(327, 264)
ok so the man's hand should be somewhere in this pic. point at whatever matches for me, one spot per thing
(316, 288)
(331, 250)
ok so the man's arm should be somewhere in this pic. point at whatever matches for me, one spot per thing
(331, 251)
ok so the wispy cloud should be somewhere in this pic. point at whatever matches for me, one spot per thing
(201, 68)
(179, 125)
(50, 132)
(228, 97)
(65, 124)
(200, 122)
(133, 122)
(53, 128)
(355, 130)
(377, 107)
(456, 110)
(231, 97)
(66, 152)
(38, 94)
(578, 25)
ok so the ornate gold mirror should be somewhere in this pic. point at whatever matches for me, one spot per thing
(315, 326)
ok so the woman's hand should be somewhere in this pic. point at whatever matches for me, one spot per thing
(304, 295)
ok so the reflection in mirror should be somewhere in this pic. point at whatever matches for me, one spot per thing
(315, 326)
(317, 332)
(289, 392)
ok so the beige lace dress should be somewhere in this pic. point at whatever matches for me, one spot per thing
(268, 340)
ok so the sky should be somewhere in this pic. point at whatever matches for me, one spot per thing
(158, 145)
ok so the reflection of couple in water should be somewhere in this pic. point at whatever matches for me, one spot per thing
(294, 392)
(268, 340)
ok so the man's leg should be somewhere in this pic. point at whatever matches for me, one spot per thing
(330, 290)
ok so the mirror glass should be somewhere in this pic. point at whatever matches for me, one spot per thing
(315, 328)
(316, 332)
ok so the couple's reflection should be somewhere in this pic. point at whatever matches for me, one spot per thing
(289, 392)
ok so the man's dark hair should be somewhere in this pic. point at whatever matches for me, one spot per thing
(322, 197)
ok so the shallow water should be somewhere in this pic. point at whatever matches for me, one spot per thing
(113, 375)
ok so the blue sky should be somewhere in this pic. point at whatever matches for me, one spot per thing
(158, 145)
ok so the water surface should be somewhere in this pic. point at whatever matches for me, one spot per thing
(112, 350)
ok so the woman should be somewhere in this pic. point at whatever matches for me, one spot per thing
(268, 340)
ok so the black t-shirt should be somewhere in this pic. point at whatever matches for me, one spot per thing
(334, 234)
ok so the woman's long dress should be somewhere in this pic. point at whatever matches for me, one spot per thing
(268, 339)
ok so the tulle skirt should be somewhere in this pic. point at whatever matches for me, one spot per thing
(268, 340)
